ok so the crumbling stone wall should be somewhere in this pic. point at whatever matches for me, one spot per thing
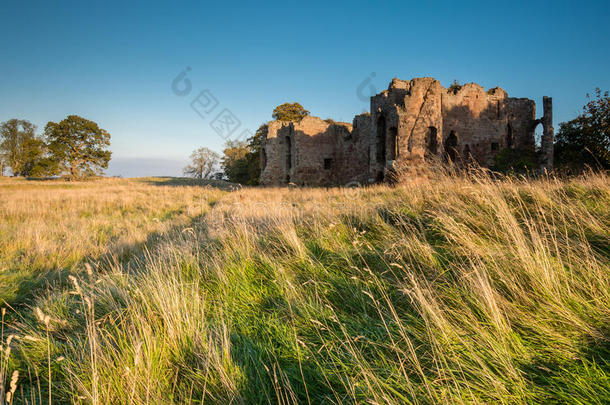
(548, 134)
(315, 152)
(352, 152)
(410, 122)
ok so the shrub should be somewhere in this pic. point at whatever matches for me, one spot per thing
(515, 161)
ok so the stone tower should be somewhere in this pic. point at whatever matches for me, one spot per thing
(548, 134)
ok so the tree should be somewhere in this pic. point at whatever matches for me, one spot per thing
(34, 150)
(455, 87)
(585, 140)
(516, 161)
(203, 163)
(235, 162)
(78, 146)
(289, 112)
(241, 162)
(44, 166)
(255, 146)
(20, 148)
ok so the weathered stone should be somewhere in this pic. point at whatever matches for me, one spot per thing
(409, 122)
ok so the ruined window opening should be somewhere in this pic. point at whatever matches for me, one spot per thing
(393, 143)
(263, 158)
(431, 142)
(538, 134)
(495, 146)
(451, 144)
(288, 153)
(328, 163)
(510, 137)
(467, 154)
(381, 139)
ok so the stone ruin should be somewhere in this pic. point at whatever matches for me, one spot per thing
(410, 123)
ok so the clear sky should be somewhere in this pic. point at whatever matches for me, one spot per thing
(114, 63)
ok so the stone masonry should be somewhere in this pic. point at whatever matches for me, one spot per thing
(410, 122)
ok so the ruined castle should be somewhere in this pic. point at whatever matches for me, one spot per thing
(409, 123)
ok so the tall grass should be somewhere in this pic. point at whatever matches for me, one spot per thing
(456, 290)
(48, 227)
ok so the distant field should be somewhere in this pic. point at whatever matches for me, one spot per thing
(161, 290)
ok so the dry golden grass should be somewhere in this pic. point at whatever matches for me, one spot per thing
(50, 226)
(457, 290)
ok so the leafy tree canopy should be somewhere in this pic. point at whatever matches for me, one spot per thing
(585, 140)
(516, 161)
(455, 87)
(203, 163)
(235, 162)
(20, 148)
(79, 146)
(241, 162)
(289, 112)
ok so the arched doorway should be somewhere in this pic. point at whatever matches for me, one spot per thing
(538, 132)
(288, 153)
(263, 158)
(393, 143)
(451, 144)
(510, 137)
(467, 154)
(381, 135)
(431, 142)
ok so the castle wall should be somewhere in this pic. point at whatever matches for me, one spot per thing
(484, 122)
(406, 111)
(314, 141)
(352, 152)
(315, 152)
(272, 170)
(548, 136)
(410, 122)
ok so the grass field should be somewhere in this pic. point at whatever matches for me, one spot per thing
(458, 290)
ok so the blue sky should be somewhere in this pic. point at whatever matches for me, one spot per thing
(114, 63)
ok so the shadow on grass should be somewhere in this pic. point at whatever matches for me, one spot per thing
(187, 181)
(272, 374)
(580, 379)
(24, 285)
(31, 285)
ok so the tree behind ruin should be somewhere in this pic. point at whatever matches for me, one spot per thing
(289, 112)
(585, 141)
(203, 163)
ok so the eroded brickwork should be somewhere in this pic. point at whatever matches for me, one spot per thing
(409, 122)
(316, 152)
